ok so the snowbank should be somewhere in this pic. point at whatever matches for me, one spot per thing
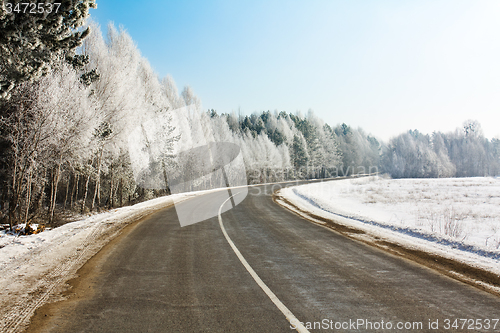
(33, 267)
(456, 218)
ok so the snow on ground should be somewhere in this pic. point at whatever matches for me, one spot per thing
(33, 267)
(458, 218)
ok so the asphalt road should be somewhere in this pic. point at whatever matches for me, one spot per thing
(164, 278)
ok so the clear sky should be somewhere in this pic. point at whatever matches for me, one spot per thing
(384, 66)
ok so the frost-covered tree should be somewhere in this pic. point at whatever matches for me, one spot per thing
(332, 155)
(121, 95)
(348, 145)
(467, 150)
(299, 154)
(189, 97)
(445, 168)
(170, 91)
(411, 155)
(30, 43)
(50, 124)
(462, 153)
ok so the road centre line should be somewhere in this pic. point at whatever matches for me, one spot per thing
(288, 314)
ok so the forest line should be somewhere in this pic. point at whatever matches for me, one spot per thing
(65, 136)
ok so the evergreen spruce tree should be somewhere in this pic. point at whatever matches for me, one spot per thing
(31, 42)
(299, 153)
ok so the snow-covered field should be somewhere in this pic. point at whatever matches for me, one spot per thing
(458, 218)
(34, 267)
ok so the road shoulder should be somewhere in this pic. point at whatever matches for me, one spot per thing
(464, 272)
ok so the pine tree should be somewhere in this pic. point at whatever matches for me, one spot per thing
(30, 43)
(299, 153)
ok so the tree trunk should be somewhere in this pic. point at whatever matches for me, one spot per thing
(165, 179)
(51, 175)
(74, 192)
(13, 199)
(111, 196)
(39, 205)
(67, 191)
(120, 189)
(28, 197)
(15, 194)
(97, 191)
(56, 183)
(85, 195)
(12, 204)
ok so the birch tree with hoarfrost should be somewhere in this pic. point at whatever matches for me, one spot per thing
(50, 124)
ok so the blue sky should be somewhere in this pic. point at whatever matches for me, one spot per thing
(384, 66)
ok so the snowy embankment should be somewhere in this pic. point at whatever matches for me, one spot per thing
(454, 218)
(33, 268)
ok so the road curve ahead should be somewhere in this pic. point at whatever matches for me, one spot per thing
(160, 277)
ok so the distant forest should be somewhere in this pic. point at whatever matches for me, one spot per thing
(65, 120)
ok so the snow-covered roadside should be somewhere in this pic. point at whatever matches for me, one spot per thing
(457, 219)
(34, 268)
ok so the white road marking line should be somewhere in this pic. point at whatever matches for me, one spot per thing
(288, 314)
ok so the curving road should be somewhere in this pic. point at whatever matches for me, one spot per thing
(160, 277)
